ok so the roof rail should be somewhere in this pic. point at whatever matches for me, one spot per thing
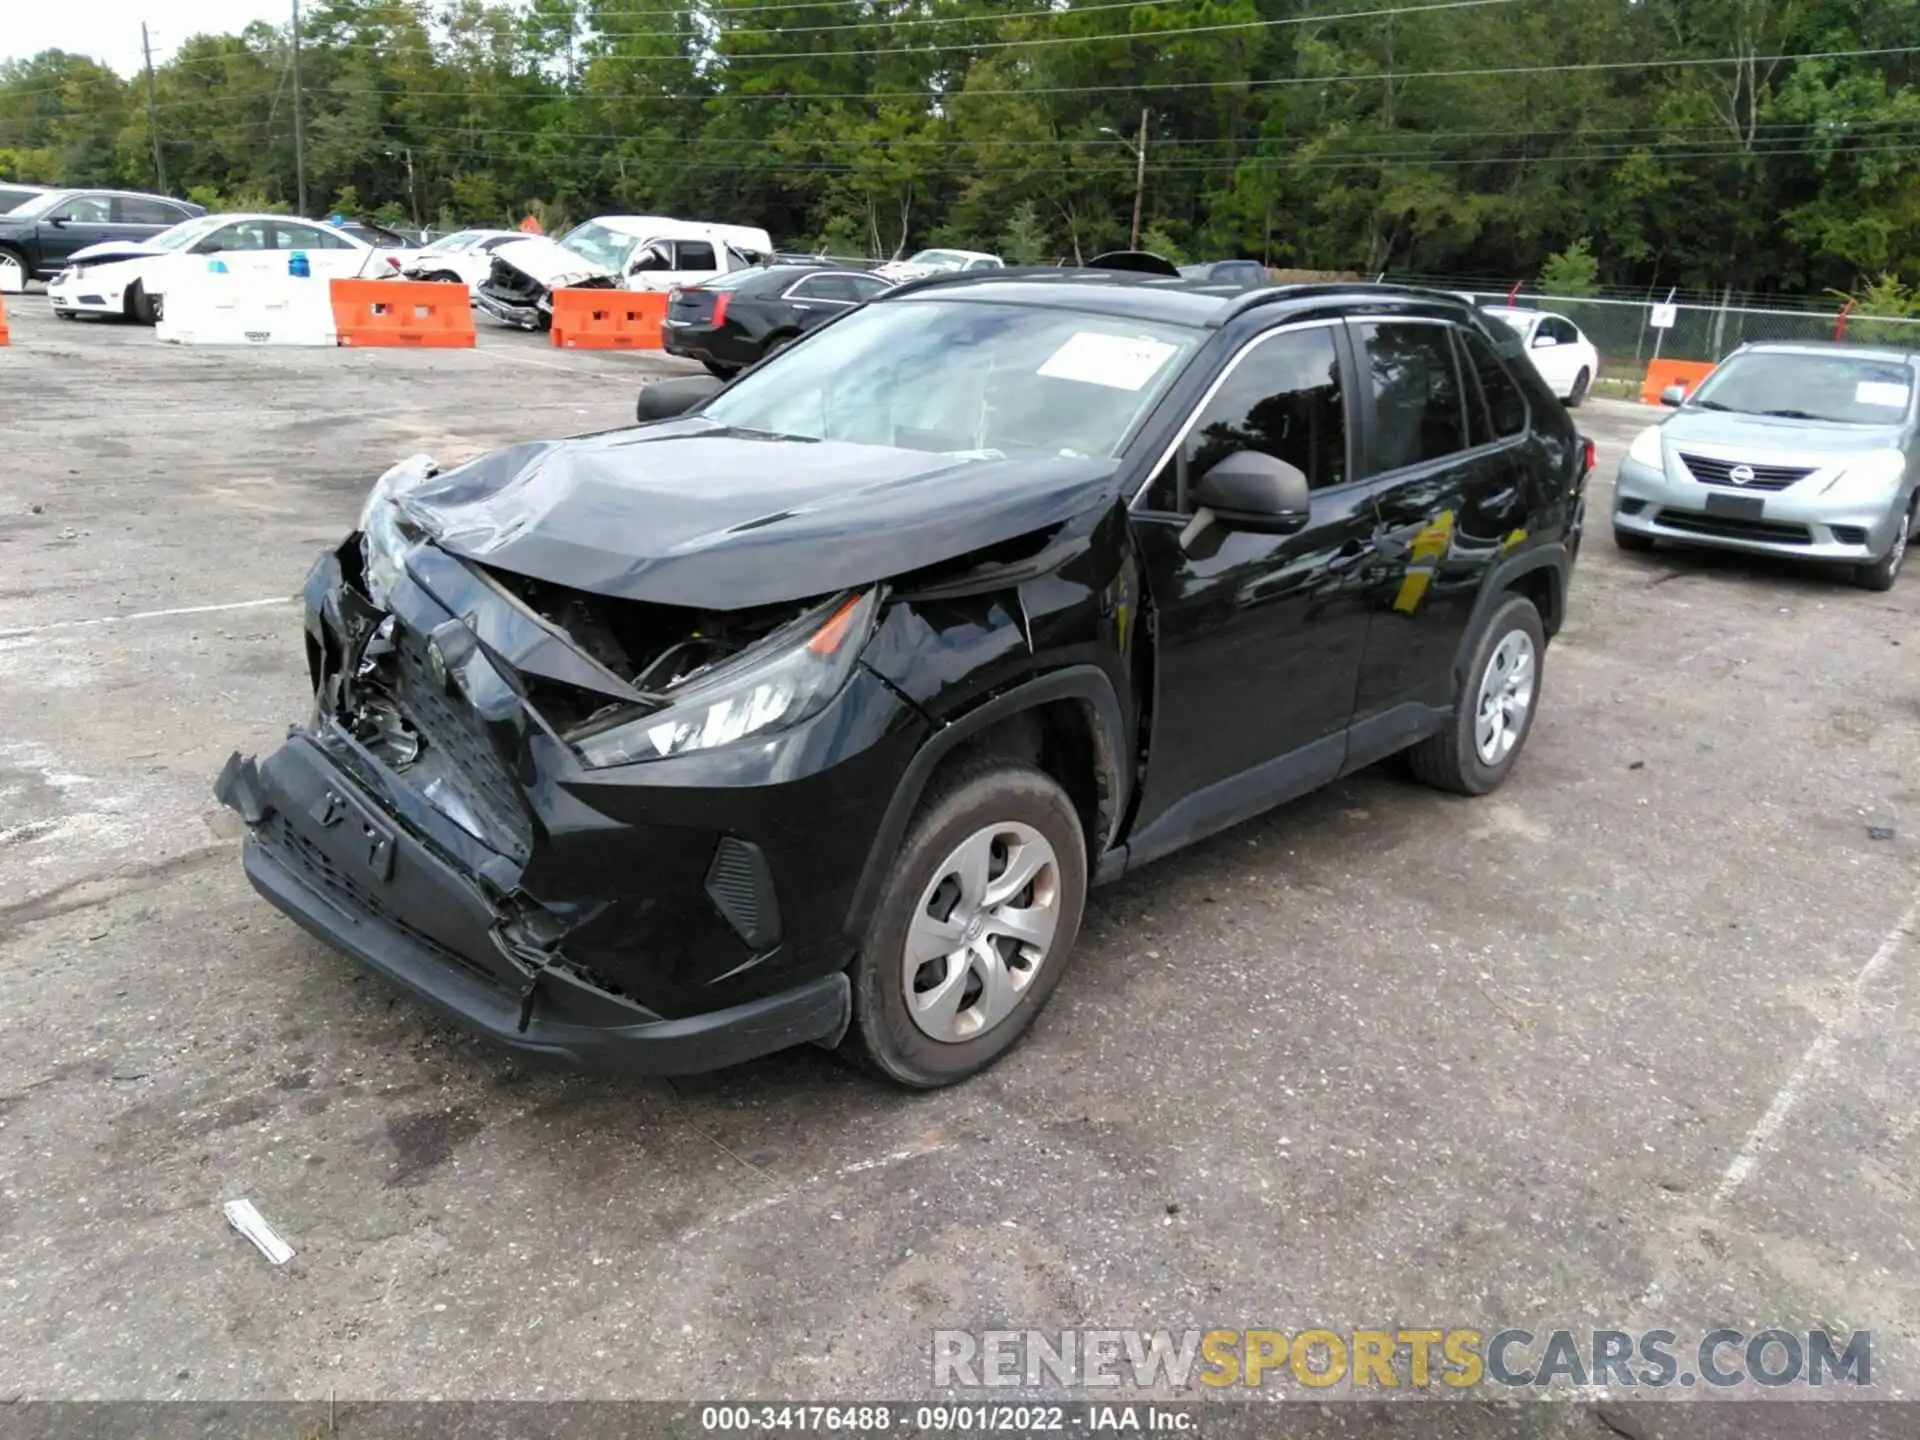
(1277, 294)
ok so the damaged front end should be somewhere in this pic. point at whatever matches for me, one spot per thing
(617, 833)
(521, 295)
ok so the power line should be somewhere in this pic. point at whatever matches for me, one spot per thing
(946, 97)
(1370, 77)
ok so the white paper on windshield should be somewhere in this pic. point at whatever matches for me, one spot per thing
(1889, 393)
(1120, 362)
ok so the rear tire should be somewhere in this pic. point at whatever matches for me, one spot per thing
(139, 304)
(1882, 573)
(991, 812)
(1631, 541)
(1494, 714)
(1579, 391)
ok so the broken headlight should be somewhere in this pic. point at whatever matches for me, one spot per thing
(778, 682)
(383, 545)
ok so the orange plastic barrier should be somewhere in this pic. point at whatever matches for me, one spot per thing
(1662, 373)
(4, 340)
(608, 319)
(402, 312)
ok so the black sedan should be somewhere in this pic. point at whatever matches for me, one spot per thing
(735, 320)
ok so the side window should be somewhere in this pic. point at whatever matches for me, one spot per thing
(832, 287)
(1418, 414)
(1283, 397)
(1506, 406)
(88, 210)
(1561, 330)
(695, 255)
(865, 287)
(132, 210)
(305, 237)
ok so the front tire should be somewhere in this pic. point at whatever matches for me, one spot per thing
(1881, 574)
(139, 304)
(1491, 719)
(719, 371)
(13, 272)
(973, 927)
(1581, 382)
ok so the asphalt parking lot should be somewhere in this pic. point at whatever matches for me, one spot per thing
(1629, 1044)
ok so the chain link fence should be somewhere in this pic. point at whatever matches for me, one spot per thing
(1624, 333)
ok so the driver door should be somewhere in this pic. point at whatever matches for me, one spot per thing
(1260, 635)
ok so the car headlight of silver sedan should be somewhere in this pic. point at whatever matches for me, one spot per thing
(1874, 476)
(1646, 448)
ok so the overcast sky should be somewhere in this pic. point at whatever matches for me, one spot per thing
(109, 30)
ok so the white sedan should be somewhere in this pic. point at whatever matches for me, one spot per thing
(938, 262)
(128, 279)
(466, 255)
(1565, 358)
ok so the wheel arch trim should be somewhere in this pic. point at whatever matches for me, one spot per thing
(1087, 685)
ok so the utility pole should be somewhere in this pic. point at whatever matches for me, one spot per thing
(153, 115)
(1139, 178)
(299, 121)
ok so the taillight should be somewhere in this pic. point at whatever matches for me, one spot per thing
(1589, 457)
(720, 307)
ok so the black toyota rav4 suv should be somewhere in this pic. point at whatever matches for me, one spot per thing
(810, 714)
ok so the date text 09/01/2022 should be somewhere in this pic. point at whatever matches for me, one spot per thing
(878, 1418)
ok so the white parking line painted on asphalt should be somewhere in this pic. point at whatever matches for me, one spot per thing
(146, 615)
(1819, 1053)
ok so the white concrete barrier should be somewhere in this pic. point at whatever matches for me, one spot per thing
(211, 308)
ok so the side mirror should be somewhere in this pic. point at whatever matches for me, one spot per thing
(664, 399)
(1250, 490)
(1544, 342)
(1674, 396)
(57, 221)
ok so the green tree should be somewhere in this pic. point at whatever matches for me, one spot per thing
(1572, 271)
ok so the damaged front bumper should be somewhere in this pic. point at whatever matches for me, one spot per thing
(325, 854)
(675, 915)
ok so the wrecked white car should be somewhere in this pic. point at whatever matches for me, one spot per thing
(614, 252)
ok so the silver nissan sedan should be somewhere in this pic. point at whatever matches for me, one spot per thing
(1806, 450)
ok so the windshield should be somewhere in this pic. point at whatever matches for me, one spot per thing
(978, 380)
(594, 241)
(459, 240)
(1515, 320)
(940, 259)
(1843, 389)
(39, 204)
(182, 235)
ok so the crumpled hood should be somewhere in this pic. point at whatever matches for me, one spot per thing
(108, 250)
(549, 262)
(689, 513)
(1768, 437)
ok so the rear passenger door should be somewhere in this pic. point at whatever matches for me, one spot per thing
(818, 298)
(1445, 431)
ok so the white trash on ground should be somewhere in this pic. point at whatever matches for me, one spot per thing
(242, 1215)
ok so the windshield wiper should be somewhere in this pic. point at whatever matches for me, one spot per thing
(1793, 414)
(1713, 405)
